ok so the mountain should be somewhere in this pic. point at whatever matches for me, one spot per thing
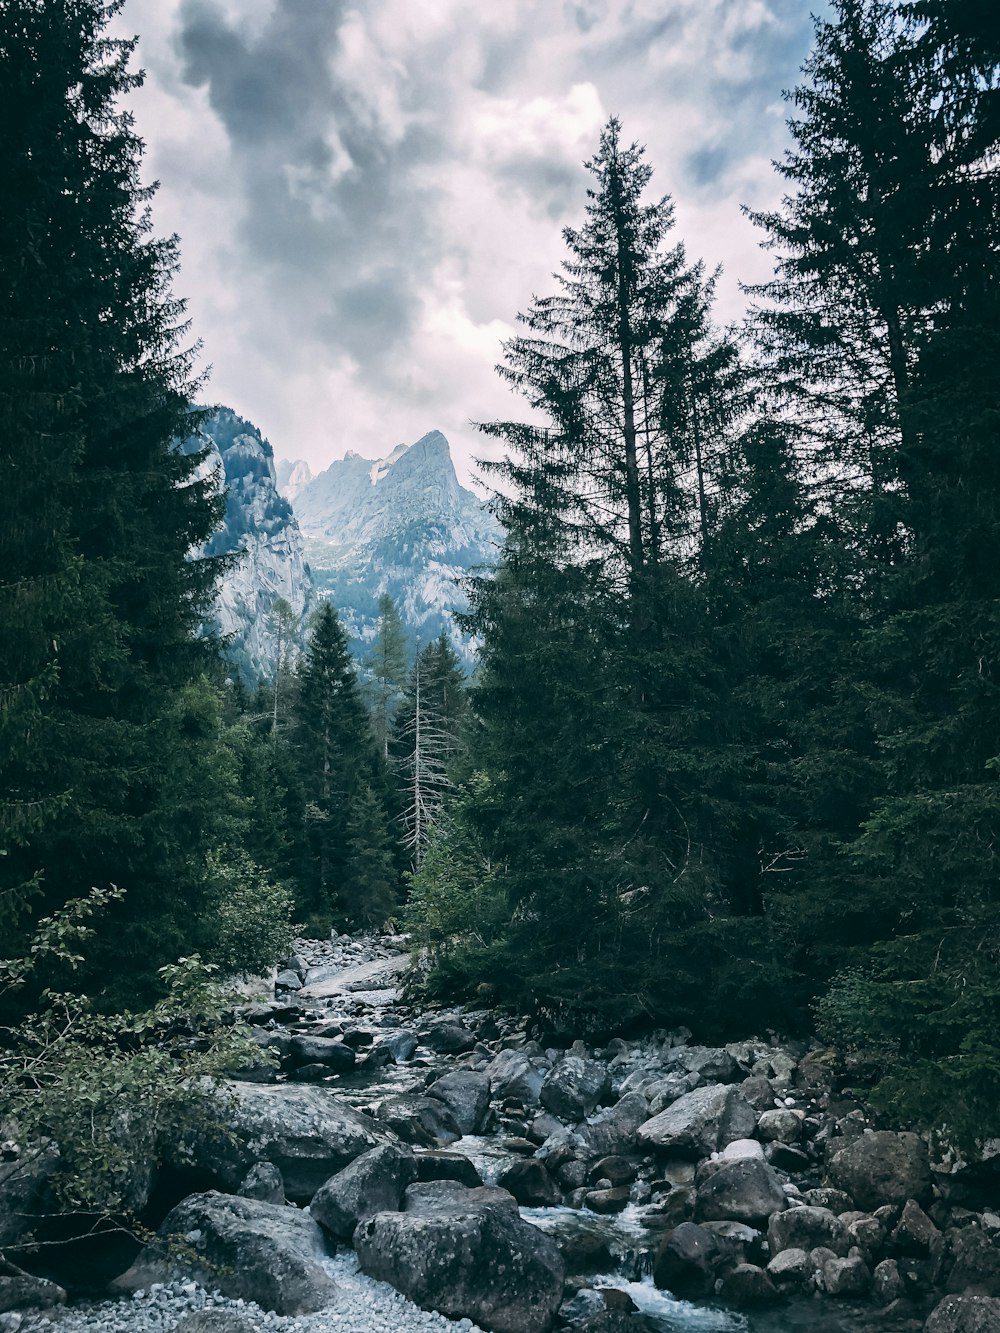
(403, 525)
(292, 477)
(258, 522)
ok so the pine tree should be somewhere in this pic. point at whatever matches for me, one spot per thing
(387, 664)
(99, 598)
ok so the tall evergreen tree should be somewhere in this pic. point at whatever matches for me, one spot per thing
(387, 663)
(99, 599)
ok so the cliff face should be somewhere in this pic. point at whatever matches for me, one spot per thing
(402, 525)
(260, 525)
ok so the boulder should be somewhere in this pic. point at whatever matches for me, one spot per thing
(780, 1126)
(688, 1259)
(745, 1190)
(757, 1090)
(712, 1064)
(790, 1268)
(373, 1183)
(466, 1095)
(573, 1087)
(446, 1036)
(246, 1249)
(847, 1277)
(516, 1077)
(287, 981)
(746, 1285)
(806, 1229)
(395, 1047)
(614, 1199)
(263, 1181)
(614, 1129)
(434, 1164)
(915, 1233)
(615, 1170)
(665, 1091)
(467, 1254)
(976, 1267)
(24, 1292)
(700, 1122)
(965, 1314)
(425, 1121)
(307, 1133)
(328, 1051)
(883, 1167)
(26, 1190)
(887, 1282)
(530, 1183)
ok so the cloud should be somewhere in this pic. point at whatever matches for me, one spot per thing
(368, 194)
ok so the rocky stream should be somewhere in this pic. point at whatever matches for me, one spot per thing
(428, 1169)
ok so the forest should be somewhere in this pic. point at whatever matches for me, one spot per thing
(730, 754)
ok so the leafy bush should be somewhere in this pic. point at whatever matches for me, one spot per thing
(250, 922)
(96, 1093)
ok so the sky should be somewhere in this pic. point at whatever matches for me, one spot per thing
(366, 195)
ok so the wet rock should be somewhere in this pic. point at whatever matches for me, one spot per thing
(530, 1183)
(965, 1314)
(688, 1259)
(573, 1087)
(287, 981)
(746, 1285)
(437, 1165)
(397, 1046)
(245, 1249)
(614, 1129)
(613, 1200)
(746, 1190)
(883, 1167)
(805, 1229)
(701, 1122)
(373, 1183)
(467, 1097)
(310, 1074)
(615, 1170)
(307, 1133)
(467, 1254)
(263, 1181)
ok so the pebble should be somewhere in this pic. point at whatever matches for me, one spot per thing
(364, 1306)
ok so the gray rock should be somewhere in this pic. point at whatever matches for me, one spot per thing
(466, 1095)
(434, 1164)
(807, 1228)
(746, 1285)
(615, 1199)
(757, 1090)
(965, 1314)
(887, 1282)
(780, 1126)
(701, 1122)
(467, 1254)
(848, 1277)
(327, 1051)
(246, 1249)
(373, 1183)
(25, 1190)
(614, 1129)
(530, 1183)
(287, 981)
(883, 1167)
(573, 1087)
(790, 1268)
(307, 1133)
(24, 1292)
(263, 1181)
(916, 1234)
(688, 1259)
(447, 1038)
(665, 1091)
(713, 1064)
(746, 1190)
(515, 1076)
(976, 1267)
(398, 1046)
(420, 1120)
(835, 1200)
(215, 1321)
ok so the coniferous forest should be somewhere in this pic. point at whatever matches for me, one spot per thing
(730, 754)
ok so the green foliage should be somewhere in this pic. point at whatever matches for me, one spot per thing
(104, 1089)
(249, 916)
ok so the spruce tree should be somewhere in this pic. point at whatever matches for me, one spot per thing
(386, 662)
(99, 598)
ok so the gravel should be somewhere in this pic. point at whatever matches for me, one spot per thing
(364, 1306)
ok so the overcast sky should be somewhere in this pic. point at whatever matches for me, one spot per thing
(367, 194)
